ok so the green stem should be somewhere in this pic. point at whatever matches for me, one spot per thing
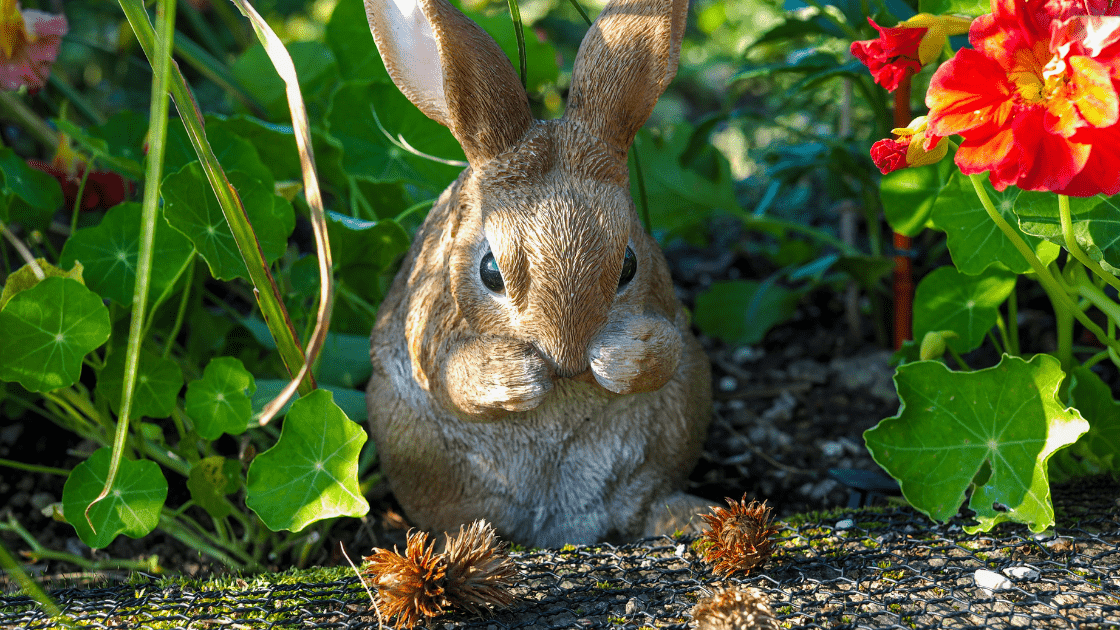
(27, 120)
(582, 13)
(161, 66)
(1058, 297)
(519, 34)
(181, 314)
(49, 470)
(33, 590)
(643, 198)
(203, 545)
(1013, 321)
(958, 358)
(78, 201)
(1002, 327)
(1075, 249)
(1091, 292)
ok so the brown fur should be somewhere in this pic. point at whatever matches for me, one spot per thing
(565, 410)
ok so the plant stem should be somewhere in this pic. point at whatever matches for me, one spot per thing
(27, 584)
(181, 314)
(1013, 321)
(1093, 293)
(1058, 297)
(49, 470)
(519, 34)
(1075, 249)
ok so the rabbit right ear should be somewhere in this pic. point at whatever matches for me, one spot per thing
(453, 71)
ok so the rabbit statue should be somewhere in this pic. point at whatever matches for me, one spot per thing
(532, 363)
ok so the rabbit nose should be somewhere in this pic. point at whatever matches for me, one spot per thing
(566, 361)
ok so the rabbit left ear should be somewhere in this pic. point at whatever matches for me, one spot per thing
(453, 71)
(624, 64)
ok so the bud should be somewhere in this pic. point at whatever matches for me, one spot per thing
(933, 344)
(912, 148)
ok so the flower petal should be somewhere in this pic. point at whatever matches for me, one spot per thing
(966, 92)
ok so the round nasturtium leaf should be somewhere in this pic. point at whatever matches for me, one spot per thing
(312, 471)
(948, 300)
(25, 277)
(110, 249)
(220, 401)
(211, 479)
(191, 207)
(47, 330)
(131, 508)
(951, 425)
(158, 381)
(974, 240)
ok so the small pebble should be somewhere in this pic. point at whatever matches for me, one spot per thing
(832, 450)
(728, 384)
(845, 524)
(991, 581)
(747, 354)
(634, 606)
(1022, 573)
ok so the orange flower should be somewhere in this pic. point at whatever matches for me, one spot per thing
(914, 147)
(29, 42)
(1036, 103)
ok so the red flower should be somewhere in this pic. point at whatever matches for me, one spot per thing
(893, 56)
(1037, 102)
(29, 42)
(914, 147)
(902, 50)
(103, 189)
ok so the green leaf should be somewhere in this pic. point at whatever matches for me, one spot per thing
(191, 207)
(974, 8)
(1098, 451)
(211, 479)
(947, 299)
(158, 381)
(109, 252)
(234, 153)
(27, 196)
(908, 195)
(680, 197)
(953, 424)
(540, 55)
(315, 66)
(742, 311)
(974, 240)
(367, 151)
(132, 507)
(48, 329)
(274, 144)
(348, 36)
(312, 472)
(1095, 222)
(219, 402)
(117, 144)
(24, 278)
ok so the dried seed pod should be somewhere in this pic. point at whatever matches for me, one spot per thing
(734, 608)
(412, 586)
(738, 537)
(479, 571)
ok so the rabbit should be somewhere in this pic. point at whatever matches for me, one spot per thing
(532, 364)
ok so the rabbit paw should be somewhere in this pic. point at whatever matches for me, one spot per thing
(638, 354)
(493, 375)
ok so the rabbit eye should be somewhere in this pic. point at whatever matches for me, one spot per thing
(490, 275)
(629, 268)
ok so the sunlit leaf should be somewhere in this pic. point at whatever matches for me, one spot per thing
(234, 153)
(219, 402)
(24, 278)
(953, 424)
(947, 299)
(48, 329)
(132, 507)
(974, 240)
(1095, 222)
(158, 381)
(312, 472)
(192, 209)
(908, 195)
(315, 65)
(109, 251)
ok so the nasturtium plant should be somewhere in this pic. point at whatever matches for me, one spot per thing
(27, 196)
(193, 209)
(947, 299)
(219, 402)
(26, 277)
(311, 472)
(158, 381)
(48, 330)
(210, 480)
(908, 195)
(1098, 450)
(974, 241)
(1095, 223)
(132, 506)
(951, 425)
(109, 252)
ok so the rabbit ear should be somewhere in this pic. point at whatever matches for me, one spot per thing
(625, 62)
(453, 71)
